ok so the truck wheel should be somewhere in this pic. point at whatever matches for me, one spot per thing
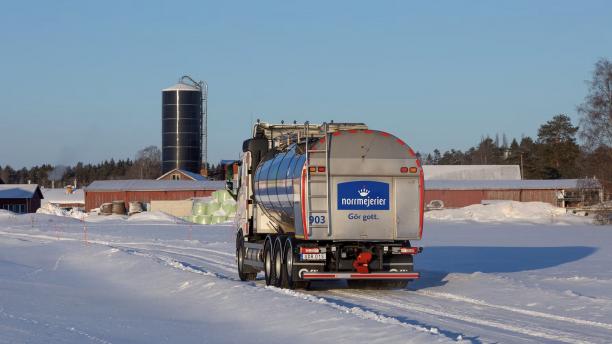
(288, 278)
(268, 265)
(244, 276)
(279, 265)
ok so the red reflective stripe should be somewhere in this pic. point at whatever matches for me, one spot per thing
(422, 199)
(411, 152)
(309, 275)
(322, 140)
(414, 275)
(401, 142)
(352, 131)
(303, 200)
(384, 134)
(418, 163)
(337, 133)
(367, 131)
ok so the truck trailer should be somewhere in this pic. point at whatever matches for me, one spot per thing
(331, 201)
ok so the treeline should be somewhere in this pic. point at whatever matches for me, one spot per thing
(554, 154)
(146, 165)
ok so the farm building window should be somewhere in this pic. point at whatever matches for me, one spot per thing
(15, 208)
(176, 176)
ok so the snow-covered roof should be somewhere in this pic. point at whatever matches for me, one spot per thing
(549, 184)
(472, 172)
(193, 176)
(58, 196)
(181, 87)
(154, 185)
(18, 190)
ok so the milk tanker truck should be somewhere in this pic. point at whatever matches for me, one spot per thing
(334, 201)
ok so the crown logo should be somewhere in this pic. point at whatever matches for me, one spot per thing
(363, 192)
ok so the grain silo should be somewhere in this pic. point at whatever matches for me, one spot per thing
(184, 125)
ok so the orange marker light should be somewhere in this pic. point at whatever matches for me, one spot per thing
(312, 169)
(413, 170)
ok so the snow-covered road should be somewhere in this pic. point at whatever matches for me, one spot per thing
(158, 281)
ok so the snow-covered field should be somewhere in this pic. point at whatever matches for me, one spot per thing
(486, 278)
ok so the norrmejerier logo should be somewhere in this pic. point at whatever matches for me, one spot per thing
(363, 195)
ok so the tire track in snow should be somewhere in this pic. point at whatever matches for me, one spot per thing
(223, 265)
(357, 311)
(454, 297)
(221, 253)
(71, 329)
(542, 333)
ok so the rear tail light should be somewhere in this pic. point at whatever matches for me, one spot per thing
(321, 168)
(309, 250)
(409, 250)
(404, 169)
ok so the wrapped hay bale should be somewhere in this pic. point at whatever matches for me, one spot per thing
(199, 208)
(218, 219)
(135, 207)
(212, 207)
(221, 196)
(229, 209)
(118, 208)
(205, 219)
(106, 208)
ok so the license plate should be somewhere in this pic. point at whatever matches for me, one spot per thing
(312, 256)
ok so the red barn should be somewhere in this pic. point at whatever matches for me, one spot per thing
(558, 192)
(137, 190)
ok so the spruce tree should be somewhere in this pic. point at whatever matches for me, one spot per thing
(558, 149)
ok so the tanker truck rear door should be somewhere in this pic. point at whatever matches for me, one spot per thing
(363, 208)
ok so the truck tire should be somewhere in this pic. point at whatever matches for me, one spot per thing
(290, 281)
(279, 264)
(268, 262)
(288, 278)
(243, 272)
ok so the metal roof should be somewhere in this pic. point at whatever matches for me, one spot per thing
(154, 185)
(181, 87)
(472, 172)
(58, 196)
(18, 190)
(192, 175)
(548, 184)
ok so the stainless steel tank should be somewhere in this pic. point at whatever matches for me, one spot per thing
(367, 186)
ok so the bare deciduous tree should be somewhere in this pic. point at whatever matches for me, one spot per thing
(147, 164)
(596, 111)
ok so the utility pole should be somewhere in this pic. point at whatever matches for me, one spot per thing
(522, 166)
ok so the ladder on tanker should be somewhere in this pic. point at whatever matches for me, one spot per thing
(318, 183)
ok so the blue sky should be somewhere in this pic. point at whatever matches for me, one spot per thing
(81, 81)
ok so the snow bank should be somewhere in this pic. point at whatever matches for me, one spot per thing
(6, 213)
(50, 209)
(506, 211)
(154, 216)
